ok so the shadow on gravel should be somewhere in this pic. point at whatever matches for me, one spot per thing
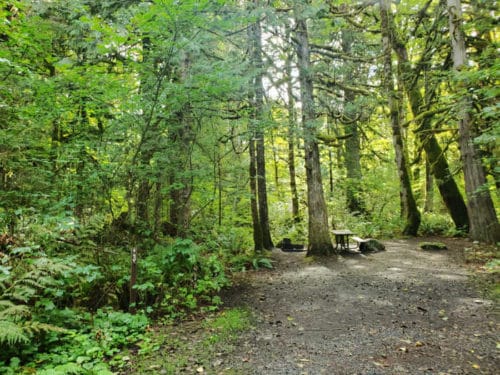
(401, 311)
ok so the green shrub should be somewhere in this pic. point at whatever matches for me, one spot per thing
(435, 224)
(178, 278)
(244, 262)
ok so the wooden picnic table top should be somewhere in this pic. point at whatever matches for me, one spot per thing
(342, 232)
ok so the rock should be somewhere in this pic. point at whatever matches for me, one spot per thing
(371, 245)
(432, 246)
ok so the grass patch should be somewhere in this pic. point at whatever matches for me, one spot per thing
(198, 346)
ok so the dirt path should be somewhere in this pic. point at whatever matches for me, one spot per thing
(401, 311)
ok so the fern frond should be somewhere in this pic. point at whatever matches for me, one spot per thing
(22, 294)
(37, 327)
(11, 334)
(51, 266)
(5, 303)
(30, 281)
(4, 285)
(14, 311)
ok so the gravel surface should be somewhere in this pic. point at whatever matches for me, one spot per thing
(400, 311)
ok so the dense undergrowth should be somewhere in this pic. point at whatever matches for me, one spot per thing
(65, 293)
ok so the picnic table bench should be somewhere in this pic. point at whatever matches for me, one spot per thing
(360, 241)
(342, 240)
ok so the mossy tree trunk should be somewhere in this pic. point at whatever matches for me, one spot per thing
(447, 186)
(410, 210)
(484, 224)
(350, 121)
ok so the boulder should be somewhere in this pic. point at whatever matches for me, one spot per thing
(371, 245)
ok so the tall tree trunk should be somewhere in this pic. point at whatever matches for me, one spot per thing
(291, 169)
(257, 229)
(447, 186)
(484, 224)
(142, 200)
(355, 202)
(352, 161)
(258, 100)
(219, 189)
(320, 242)
(292, 130)
(429, 187)
(181, 138)
(412, 215)
(157, 209)
(329, 130)
(276, 171)
(180, 178)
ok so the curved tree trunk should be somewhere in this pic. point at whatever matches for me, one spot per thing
(410, 210)
(447, 186)
(484, 224)
(320, 242)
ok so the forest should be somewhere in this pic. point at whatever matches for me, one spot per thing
(150, 149)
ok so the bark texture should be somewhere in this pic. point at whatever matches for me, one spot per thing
(319, 239)
(257, 230)
(292, 128)
(410, 210)
(259, 116)
(484, 224)
(350, 121)
(181, 136)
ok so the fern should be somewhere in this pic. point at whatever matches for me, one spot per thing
(21, 294)
(25, 283)
(5, 304)
(37, 327)
(31, 280)
(11, 333)
(9, 309)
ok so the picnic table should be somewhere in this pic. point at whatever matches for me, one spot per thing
(342, 239)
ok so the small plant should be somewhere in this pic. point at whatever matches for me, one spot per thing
(493, 266)
(244, 262)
